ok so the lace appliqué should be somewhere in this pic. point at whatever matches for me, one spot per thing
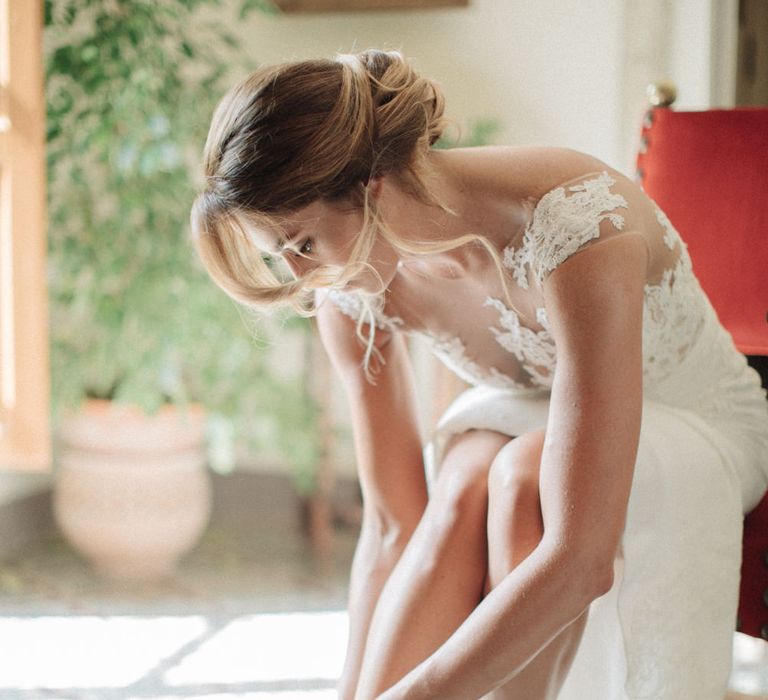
(535, 350)
(452, 353)
(670, 234)
(672, 318)
(561, 224)
(352, 305)
(449, 349)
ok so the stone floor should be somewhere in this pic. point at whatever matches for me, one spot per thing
(248, 616)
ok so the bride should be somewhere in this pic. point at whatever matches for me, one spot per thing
(573, 529)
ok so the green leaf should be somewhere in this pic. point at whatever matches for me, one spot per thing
(133, 315)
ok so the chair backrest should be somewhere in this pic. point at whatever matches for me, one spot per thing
(708, 171)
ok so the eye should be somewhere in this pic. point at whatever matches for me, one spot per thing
(306, 247)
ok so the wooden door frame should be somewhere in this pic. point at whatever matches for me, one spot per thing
(25, 443)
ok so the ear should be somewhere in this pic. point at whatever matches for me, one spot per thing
(375, 185)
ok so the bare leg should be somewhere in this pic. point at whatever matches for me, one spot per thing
(439, 578)
(514, 529)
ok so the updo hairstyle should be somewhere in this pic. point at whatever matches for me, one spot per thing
(297, 132)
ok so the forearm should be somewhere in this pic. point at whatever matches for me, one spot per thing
(375, 557)
(510, 626)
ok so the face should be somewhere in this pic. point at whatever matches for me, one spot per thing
(324, 233)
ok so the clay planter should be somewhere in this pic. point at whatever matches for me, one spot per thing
(132, 492)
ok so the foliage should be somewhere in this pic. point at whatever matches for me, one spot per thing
(131, 86)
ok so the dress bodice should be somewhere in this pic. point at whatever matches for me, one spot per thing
(474, 331)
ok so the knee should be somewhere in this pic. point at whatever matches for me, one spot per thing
(461, 490)
(514, 472)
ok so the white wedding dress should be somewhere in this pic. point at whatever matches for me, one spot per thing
(664, 631)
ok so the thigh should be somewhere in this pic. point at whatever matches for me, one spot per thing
(457, 510)
(456, 514)
(514, 518)
(438, 579)
(515, 528)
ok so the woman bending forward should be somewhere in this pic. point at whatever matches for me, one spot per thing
(576, 532)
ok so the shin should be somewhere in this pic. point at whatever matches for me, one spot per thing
(514, 530)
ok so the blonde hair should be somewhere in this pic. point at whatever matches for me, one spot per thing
(312, 130)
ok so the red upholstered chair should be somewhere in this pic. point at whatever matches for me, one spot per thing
(708, 171)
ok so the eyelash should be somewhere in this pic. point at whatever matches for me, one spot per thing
(302, 249)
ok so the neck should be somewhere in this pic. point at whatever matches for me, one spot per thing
(471, 207)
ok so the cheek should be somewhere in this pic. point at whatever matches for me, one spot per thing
(384, 260)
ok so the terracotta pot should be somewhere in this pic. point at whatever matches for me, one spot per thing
(132, 492)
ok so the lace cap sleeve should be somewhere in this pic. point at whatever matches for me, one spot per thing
(353, 304)
(564, 221)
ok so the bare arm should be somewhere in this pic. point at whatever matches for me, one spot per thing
(594, 301)
(389, 456)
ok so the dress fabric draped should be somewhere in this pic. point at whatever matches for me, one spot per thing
(664, 630)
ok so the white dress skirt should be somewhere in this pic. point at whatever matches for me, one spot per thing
(664, 631)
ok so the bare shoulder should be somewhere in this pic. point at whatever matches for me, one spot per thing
(338, 332)
(528, 172)
(538, 169)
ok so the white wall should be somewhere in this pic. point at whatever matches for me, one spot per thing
(547, 70)
(560, 72)
(689, 42)
(703, 59)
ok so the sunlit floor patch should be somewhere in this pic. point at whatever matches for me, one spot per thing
(275, 647)
(281, 656)
(750, 666)
(88, 651)
(286, 656)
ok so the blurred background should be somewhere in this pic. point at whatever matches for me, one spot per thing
(178, 501)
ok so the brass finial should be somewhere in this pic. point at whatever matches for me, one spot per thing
(661, 93)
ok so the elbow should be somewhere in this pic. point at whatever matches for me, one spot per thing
(587, 574)
(596, 577)
(600, 579)
(592, 579)
(592, 570)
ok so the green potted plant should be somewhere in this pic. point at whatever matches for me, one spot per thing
(147, 353)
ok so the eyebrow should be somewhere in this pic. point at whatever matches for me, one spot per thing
(285, 237)
(289, 237)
